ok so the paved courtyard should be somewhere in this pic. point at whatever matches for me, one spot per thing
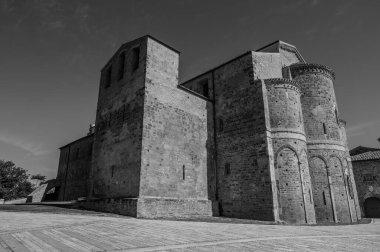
(51, 229)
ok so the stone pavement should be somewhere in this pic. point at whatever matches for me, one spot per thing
(82, 231)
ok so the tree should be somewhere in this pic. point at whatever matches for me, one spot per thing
(38, 177)
(14, 181)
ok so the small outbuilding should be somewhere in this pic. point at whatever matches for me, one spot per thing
(366, 167)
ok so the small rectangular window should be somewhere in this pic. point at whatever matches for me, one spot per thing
(183, 173)
(121, 65)
(221, 125)
(108, 77)
(135, 58)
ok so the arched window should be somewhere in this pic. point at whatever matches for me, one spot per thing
(135, 58)
(108, 76)
(121, 65)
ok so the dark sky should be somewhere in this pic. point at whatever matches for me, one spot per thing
(51, 53)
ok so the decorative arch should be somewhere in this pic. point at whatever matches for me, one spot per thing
(320, 157)
(289, 185)
(335, 155)
(371, 195)
(283, 147)
(371, 206)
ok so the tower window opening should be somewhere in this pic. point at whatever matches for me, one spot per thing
(121, 66)
(324, 198)
(336, 116)
(108, 77)
(135, 58)
(204, 87)
(324, 128)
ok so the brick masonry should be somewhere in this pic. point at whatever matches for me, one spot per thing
(258, 137)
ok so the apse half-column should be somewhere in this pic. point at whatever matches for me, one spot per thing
(292, 176)
(326, 147)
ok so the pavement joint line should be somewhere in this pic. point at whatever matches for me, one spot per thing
(50, 227)
(212, 243)
(365, 240)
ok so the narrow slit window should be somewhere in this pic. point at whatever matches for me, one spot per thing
(324, 128)
(108, 77)
(310, 196)
(336, 116)
(135, 58)
(324, 198)
(221, 126)
(121, 66)
(77, 154)
(227, 169)
(183, 172)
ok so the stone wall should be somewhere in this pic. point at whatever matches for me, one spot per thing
(243, 177)
(175, 132)
(74, 169)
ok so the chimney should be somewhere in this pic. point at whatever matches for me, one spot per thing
(91, 129)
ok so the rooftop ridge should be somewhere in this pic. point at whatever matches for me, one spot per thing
(285, 46)
(370, 155)
(134, 41)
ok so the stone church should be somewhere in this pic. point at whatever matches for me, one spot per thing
(257, 137)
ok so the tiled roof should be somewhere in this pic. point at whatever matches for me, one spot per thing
(370, 155)
(361, 149)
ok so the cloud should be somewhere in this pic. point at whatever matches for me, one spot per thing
(359, 129)
(343, 9)
(315, 2)
(81, 14)
(4, 6)
(32, 148)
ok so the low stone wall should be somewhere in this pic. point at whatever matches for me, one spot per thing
(162, 207)
(118, 206)
(151, 207)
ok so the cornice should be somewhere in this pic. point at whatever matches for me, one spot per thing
(305, 68)
(283, 81)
